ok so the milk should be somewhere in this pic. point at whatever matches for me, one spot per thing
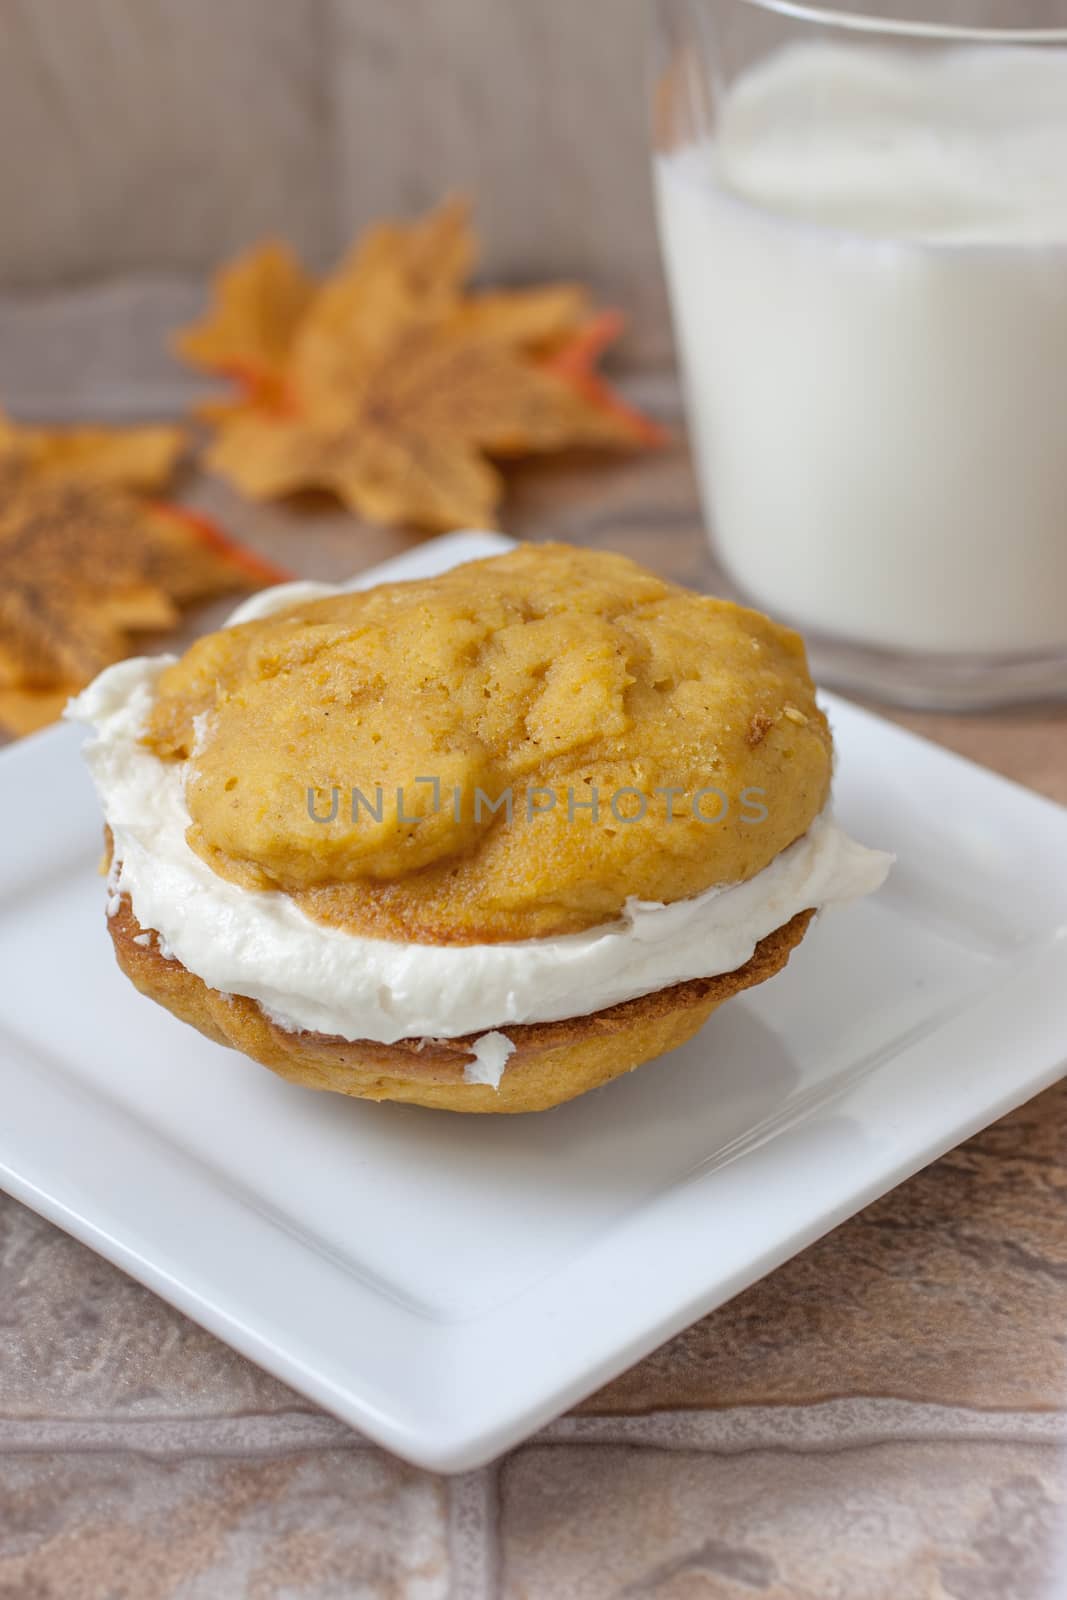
(868, 268)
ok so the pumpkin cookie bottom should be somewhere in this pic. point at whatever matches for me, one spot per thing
(552, 1061)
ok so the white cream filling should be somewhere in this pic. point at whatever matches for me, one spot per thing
(492, 1053)
(310, 976)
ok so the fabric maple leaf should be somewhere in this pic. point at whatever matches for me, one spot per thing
(398, 390)
(132, 458)
(87, 559)
(258, 303)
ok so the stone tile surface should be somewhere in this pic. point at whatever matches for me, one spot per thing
(890, 1522)
(335, 1525)
(80, 1339)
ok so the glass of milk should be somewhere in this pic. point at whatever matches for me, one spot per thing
(864, 223)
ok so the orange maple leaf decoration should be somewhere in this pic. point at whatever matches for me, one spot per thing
(393, 387)
(87, 558)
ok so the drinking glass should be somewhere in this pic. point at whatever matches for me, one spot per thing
(864, 225)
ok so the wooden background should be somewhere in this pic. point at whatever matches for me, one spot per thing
(158, 135)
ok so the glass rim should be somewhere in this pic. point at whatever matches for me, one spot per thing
(856, 22)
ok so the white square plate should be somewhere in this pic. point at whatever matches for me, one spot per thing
(446, 1283)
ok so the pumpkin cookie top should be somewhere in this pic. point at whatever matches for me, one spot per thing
(509, 751)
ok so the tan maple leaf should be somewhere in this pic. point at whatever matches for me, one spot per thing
(87, 559)
(247, 336)
(133, 458)
(401, 390)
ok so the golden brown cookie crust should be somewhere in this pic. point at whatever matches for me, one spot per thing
(568, 671)
(553, 1061)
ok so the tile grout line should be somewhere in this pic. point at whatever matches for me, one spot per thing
(822, 1425)
(254, 1433)
(472, 1535)
(854, 1423)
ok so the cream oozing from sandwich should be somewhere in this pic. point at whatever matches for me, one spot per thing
(309, 976)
